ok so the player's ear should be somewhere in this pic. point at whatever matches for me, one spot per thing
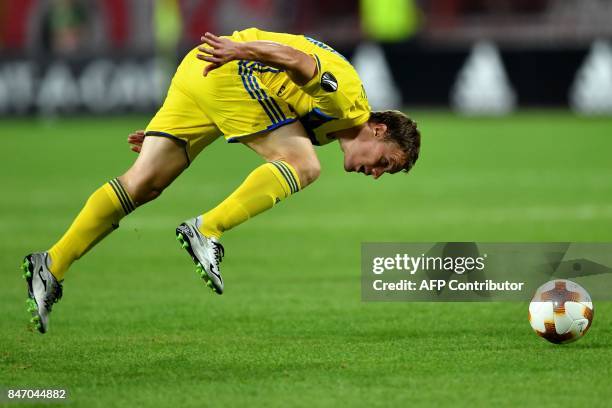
(380, 129)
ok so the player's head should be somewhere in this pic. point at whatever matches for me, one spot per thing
(389, 143)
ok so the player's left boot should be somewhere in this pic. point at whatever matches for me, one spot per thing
(43, 289)
(206, 252)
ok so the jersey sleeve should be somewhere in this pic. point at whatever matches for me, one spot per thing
(335, 88)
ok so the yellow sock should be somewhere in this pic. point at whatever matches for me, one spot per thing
(100, 215)
(262, 189)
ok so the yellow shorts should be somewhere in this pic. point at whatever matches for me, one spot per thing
(230, 101)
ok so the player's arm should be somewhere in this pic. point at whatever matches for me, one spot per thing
(299, 66)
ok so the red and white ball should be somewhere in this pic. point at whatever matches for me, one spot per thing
(561, 311)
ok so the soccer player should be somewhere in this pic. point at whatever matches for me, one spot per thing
(278, 94)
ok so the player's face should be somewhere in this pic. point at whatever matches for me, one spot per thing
(373, 156)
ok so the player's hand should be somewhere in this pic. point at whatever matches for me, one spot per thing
(218, 51)
(135, 140)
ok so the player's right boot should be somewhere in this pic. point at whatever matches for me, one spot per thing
(43, 289)
(206, 252)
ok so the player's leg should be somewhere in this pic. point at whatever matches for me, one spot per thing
(292, 165)
(159, 163)
(240, 104)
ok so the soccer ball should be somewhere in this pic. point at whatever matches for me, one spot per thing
(561, 311)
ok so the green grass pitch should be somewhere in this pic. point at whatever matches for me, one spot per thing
(137, 327)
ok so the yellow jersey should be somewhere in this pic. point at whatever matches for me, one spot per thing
(333, 100)
(242, 98)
